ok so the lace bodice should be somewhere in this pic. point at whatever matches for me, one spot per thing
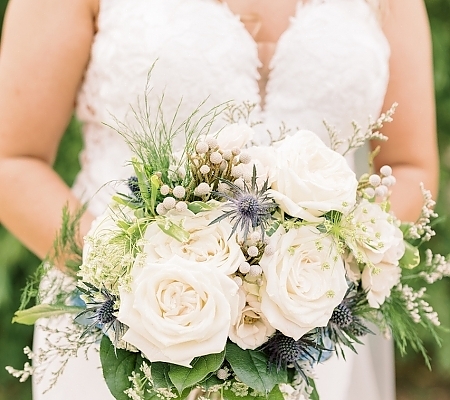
(330, 64)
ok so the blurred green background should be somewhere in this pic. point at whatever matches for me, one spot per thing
(414, 381)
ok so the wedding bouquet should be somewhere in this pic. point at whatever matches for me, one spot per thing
(233, 269)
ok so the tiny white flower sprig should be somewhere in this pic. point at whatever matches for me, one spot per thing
(436, 267)
(360, 135)
(417, 306)
(421, 229)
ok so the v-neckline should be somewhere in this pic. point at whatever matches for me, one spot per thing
(262, 94)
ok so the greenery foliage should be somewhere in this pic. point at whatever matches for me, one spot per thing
(16, 263)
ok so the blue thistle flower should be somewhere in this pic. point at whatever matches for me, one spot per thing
(251, 207)
(101, 314)
(285, 352)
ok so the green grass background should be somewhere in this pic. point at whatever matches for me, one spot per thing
(414, 381)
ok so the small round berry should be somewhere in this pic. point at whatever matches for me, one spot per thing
(238, 280)
(237, 171)
(369, 192)
(165, 190)
(239, 183)
(223, 187)
(202, 189)
(160, 209)
(227, 155)
(181, 172)
(179, 192)
(387, 181)
(269, 250)
(212, 142)
(374, 180)
(215, 157)
(169, 203)
(245, 158)
(255, 270)
(386, 170)
(244, 268)
(252, 251)
(381, 191)
(255, 236)
(181, 206)
(204, 169)
(235, 151)
(222, 374)
(223, 165)
(201, 147)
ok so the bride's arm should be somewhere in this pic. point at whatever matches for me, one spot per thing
(411, 149)
(44, 51)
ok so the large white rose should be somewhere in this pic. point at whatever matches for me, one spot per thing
(234, 135)
(251, 329)
(304, 281)
(178, 310)
(311, 179)
(207, 243)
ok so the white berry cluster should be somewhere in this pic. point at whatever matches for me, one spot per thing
(378, 184)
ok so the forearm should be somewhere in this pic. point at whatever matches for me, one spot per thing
(31, 202)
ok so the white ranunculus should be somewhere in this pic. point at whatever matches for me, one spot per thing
(310, 178)
(178, 310)
(207, 243)
(378, 282)
(304, 281)
(235, 135)
(377, 237)
(251, 329)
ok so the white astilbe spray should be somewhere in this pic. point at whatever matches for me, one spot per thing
(299, 388)
(421, 229)
(436, 267)
(28, 369)
(417, 306)
(360, 135)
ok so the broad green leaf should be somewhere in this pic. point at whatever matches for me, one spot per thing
(31, 315)
(173, 230)
(160, 375)
(183, 377)
(275, 394)
(251, 367)
(199, 206)
(411, 258)
(210, 381)
(117, 367)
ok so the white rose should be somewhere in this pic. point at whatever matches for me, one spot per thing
(377, 237)
(234, 135)
(304, 281)
(312, 177)
(207, 243)
(251, 329)
(378, 282)
(178, 310)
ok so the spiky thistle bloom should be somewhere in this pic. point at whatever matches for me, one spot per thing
(285, 352)
(251, 207)
(101, 311)
(346, 325)
(133, 185)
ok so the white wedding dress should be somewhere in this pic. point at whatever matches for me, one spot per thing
(331, 64)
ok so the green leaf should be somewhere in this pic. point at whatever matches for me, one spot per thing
(117, 367)
(250, 367)
(31, 315)
(160, 375)
(183, 377)
(411, 258)
(173, 230)
(199, 206)
(314, 395)
(276, 394)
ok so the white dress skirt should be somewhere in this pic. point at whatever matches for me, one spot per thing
(331, 64)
